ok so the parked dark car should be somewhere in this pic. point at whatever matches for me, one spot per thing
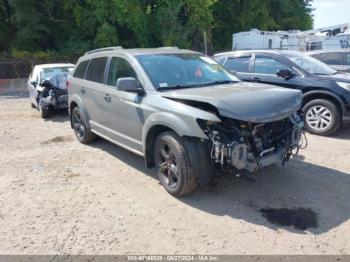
(183, 112)
(47, 86)
(338, 59)
(326, 92)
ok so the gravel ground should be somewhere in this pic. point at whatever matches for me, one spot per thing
(58, 196)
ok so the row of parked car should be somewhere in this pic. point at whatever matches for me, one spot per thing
(190, 115)
(326, 91)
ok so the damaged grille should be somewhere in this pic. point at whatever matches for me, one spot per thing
(250, 146)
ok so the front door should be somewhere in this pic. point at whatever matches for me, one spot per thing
(265, 71)
(123, 118)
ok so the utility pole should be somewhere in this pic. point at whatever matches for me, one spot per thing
(205, 42)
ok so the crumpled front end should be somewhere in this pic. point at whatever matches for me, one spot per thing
(53, 92)
(56, 98)
(250, 146)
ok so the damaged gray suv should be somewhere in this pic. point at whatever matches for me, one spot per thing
(183, 112)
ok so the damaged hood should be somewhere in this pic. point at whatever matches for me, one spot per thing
(244, 101)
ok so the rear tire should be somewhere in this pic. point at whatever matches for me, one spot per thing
(174, 168)
(322, 117)
(82, 132)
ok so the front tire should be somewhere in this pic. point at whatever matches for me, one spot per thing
(322, 117)
(44, 111)
(174, 168)
(82, 132)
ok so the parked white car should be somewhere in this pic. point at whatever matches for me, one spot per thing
(47, 86)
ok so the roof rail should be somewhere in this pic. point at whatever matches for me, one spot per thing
(110, 48)
(168, 47)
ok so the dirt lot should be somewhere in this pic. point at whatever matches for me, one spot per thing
(58, 196)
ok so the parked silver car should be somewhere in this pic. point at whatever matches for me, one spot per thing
(183, 112)
(339, 59)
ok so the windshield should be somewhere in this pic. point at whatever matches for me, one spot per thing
(168, 71)
(311, 65)
(47, 73)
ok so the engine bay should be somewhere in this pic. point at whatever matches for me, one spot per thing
(251, 146)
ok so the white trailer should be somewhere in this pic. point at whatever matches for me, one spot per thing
(332, 37)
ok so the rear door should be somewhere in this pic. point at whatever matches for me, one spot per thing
(240, 66)
(265, 70)
(93, 91)
(78, 83)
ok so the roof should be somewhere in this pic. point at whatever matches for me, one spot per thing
(42, 66)
(328, 51)
(259, 51)
(140, 51)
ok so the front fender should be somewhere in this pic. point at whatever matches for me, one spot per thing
(183, 126)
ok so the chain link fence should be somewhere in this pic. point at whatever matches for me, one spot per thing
(13, 87)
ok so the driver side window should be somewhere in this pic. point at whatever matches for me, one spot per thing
(267, 65)
(119, 68)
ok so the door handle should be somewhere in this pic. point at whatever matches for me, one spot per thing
(256, 79)
(107, 98)
(82, 90)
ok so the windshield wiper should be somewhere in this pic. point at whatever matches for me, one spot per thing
(178, 86)
(219, 82)
(174, 87)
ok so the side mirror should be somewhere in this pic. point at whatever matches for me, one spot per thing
(33, 83)
(285, 73)
(130, 84)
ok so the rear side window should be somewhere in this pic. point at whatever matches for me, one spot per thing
(238, 64)
(119, 68)
(331, 58)
(81, 68)
(266, 65)
(96, 69)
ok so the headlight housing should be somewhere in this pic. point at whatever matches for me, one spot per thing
(344, 85)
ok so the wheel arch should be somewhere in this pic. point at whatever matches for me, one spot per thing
(76, 102)
(312, 95)
(161, 122)
(149, 142)
(197, 153)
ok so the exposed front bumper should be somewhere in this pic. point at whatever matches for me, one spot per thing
(59, 102)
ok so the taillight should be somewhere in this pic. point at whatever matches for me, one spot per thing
(67, 84)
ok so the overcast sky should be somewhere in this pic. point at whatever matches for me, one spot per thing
(331, 12)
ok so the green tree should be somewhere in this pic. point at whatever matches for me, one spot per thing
(5, 24)
(74, 26)
(241, 15)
